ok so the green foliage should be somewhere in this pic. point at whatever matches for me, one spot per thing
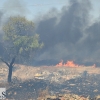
(19, 33)
(17, 26)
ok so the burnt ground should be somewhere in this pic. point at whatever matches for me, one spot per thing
(84, 86)
(89, 86)
(25, 90)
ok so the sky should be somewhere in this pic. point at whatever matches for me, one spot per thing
(33, 8)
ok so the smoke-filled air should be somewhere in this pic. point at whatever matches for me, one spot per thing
(67, 34)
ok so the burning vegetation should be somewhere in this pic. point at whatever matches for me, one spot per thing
(67, 64)
(71, 63)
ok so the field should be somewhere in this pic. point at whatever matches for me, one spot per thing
(83, 81)
(24, 72)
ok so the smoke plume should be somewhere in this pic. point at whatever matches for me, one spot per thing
(69, 36)
(14, 8)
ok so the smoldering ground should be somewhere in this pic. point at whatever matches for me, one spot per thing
(67, 34)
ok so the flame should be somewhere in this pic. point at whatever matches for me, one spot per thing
(67, 64)
(60, 63)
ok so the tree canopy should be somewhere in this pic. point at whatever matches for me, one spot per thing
(20, 41)
(20, 38)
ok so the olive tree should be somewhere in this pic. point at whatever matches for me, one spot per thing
(19, 41)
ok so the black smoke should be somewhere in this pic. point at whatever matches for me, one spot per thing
(69, 35)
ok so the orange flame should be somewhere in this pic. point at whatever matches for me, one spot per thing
(67, 64)
(60, 64)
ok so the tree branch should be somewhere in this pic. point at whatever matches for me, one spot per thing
(4, 62)
(13, 60)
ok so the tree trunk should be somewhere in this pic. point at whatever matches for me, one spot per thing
(10, 66)
(10, 74)
(10, 70)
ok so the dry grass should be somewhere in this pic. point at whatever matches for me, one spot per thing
(24, 72)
